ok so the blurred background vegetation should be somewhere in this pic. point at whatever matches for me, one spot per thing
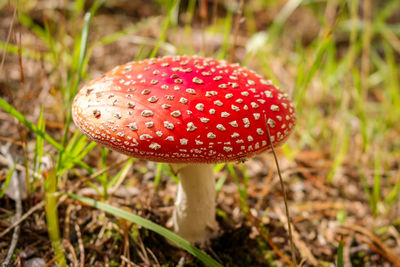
(340, 62)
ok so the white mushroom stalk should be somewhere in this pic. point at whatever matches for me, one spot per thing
(194, 213)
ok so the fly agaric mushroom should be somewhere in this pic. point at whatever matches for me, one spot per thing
(190, 112)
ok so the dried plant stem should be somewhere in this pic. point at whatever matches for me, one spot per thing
(236, 30)
(215, 12)
(8, 39)
(81, 247)
(292, 248)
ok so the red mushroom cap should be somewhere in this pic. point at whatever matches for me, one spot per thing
(184, 109)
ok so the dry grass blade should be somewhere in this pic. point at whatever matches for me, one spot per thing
(278, 251)
(8, 39)
(72, 255)
(236, 30)
(21, 67)
(81, 247)
(388, 253)
(392, 38)
(129, 262)
(107, 169)
(292, 248)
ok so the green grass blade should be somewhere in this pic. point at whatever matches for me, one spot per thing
(241, 187)
(37, 159)
(323, 46)
(360, 105)
(52, 218)
(31, 126)
(224, 49)
(171, 174)
(82, 54)
(28, 22)
(166, 24)
(365, 186)
(95, 187)
(96, 5)
(79, 6)
(49, 38)
(39, 143)
(25, 52)
(157, 178)
(376, 190)
(220, 182)
(123, 170)
(69, 159)
(342, 145)
(116, 36)
(394, 194)
(340, 262)
(221, 179)
(34, 128)
(73, 144)
(190, 14)
(285, 12)
(179, 241)
(7, 181)
(218, 167)
(103, 178)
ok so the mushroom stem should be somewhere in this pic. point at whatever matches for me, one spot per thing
(194, 214)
